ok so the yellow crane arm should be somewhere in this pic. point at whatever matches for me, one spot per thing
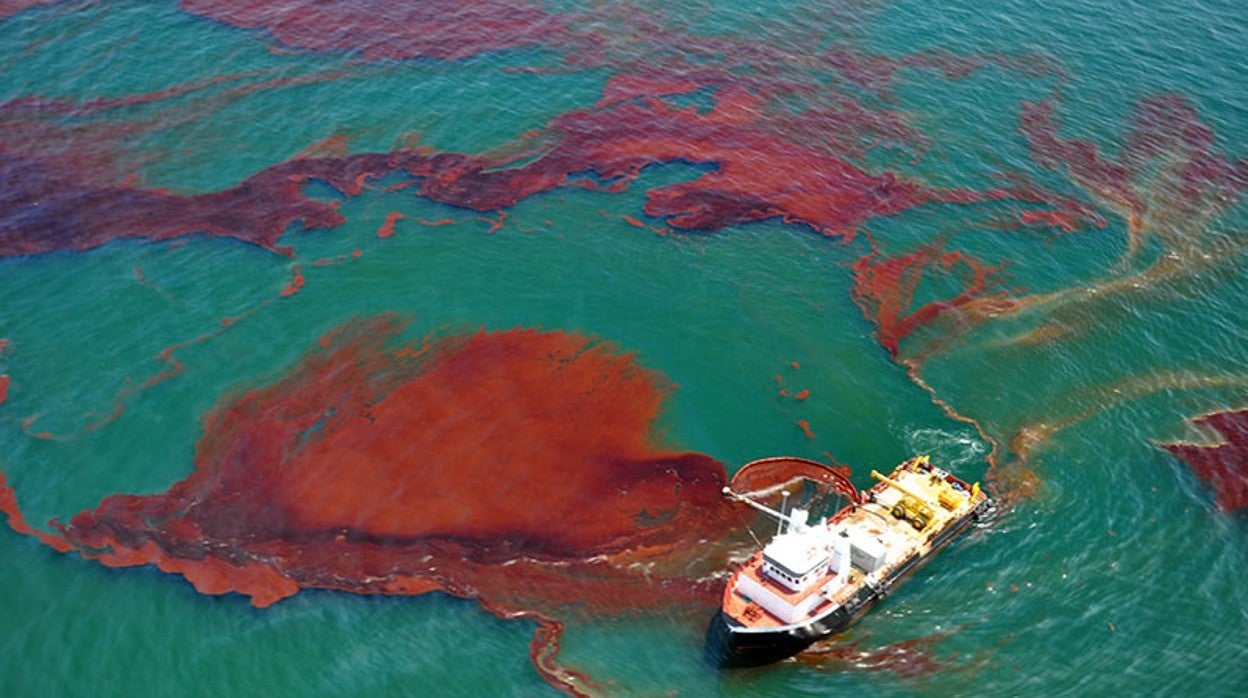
(896, 485)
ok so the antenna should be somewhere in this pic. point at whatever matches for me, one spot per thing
(784, 505)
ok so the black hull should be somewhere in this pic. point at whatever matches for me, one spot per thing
(729, 645)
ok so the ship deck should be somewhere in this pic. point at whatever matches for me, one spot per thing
(898, 537)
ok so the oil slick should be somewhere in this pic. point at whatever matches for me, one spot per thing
(1223, 465)
(517, 468)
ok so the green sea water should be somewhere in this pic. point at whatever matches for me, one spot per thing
(1117, 576)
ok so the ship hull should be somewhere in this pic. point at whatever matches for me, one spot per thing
(731, 645)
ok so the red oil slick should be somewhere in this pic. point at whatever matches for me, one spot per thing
(1168, 171)
(8, 504)
(387, 227)
(1062, 220)
(296, 282)
(761, 163)
(66, 189)
(438, 223)
(48, 207)
(517, 467)
(1224, 465)
(884, 290)
(4, 388)
(756, 174)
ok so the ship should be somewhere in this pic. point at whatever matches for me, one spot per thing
(814, 578)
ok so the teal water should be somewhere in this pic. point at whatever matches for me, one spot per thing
(1117, 575)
